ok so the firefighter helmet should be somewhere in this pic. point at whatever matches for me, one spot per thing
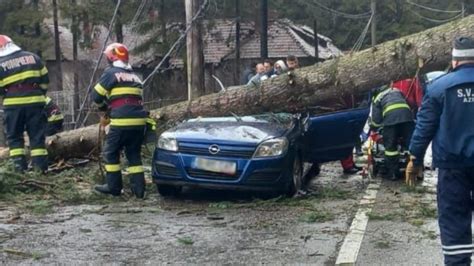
(116, 51)
(4, 40)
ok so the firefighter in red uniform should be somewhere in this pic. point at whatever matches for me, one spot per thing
(119, 91)
(23, 84)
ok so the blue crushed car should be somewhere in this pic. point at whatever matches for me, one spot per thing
(260, 152)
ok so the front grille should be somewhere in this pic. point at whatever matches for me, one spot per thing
(263, 176)
(167, 170)
(225, 151)
(196, 173)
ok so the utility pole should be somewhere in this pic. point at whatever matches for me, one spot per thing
(75, 40)
(57, 47)
(194, 52)
(264, 29)
(316, 40)
(237, 43)
(373, 7)
(463, 8)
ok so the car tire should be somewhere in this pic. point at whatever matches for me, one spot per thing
(168, 190)
(296, 182)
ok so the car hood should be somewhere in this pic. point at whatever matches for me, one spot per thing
(253, 132)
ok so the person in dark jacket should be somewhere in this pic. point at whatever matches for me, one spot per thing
(391, 111)
(23, 84)
(120, 91)
(55, 117)
(248, 73)
(446, 119)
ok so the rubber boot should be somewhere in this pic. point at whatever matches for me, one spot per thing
(393, 170)
(105, 190)
(113, 186)
(137, 185)
(19, 163)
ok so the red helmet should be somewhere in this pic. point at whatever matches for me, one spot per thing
(4, 40)
(116, 51)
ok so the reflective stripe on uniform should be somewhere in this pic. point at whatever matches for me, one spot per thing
(391, 153)
(457, 252)
(39, 152)
(135, 169)
(123, 122)
(151, 122)
(126, 90)
(112, 167)
(17, 152)
(44, 71)
(48, 99)
(24, 100)
(44, 86)
(55, 117)
(394, 106)
(100, 89)
(23, 75)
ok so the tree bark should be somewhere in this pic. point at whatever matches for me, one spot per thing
(317, 85)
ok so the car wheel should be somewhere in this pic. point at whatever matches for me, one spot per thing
(296, 183)
(168, 190)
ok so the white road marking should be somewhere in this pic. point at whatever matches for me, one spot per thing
(353, 240)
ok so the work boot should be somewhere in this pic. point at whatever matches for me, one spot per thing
(353, 170)
(137, 185)
(106, 190)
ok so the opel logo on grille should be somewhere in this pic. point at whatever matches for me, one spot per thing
(214, 149)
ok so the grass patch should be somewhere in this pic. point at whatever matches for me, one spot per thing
(316, 216)
(416, 222)
(427, 211)
(413, 189)
(221, 205)
(382, 244)
(381, 216)
(186, 241)
(334, 193)
(430, 235)
(40, 207)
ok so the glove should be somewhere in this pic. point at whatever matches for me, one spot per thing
(104, 121)
(412, 172)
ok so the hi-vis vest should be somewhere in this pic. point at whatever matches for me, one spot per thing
(23, 79)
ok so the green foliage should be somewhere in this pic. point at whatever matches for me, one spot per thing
(317, 216)
(23, 21)
(186, 241)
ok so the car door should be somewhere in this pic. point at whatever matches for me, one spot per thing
(332, 136)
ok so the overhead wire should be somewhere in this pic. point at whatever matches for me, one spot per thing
(432, 9)
(360, 41)
(340, 13)
(177, 42)
(436, 20)
(89, 87)
(176, 46)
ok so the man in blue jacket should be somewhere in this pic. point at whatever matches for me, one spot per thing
(446, 117)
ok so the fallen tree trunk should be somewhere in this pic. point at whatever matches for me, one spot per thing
(315, 85)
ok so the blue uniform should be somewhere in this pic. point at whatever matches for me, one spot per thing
(120, 90)
(23, 84)
(446, 118)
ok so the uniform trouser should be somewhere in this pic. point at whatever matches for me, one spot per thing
(348, 162)
(455, 214)
(391, 137)
(130, 139)
(33, 119)
(54, 127)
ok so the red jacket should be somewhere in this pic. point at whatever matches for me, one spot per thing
(412, 90)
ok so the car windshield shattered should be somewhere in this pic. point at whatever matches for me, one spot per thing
(280, 118)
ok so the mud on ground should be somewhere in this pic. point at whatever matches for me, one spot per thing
(201, 226)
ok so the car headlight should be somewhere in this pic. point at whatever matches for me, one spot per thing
(271, 147)
(167, 142)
